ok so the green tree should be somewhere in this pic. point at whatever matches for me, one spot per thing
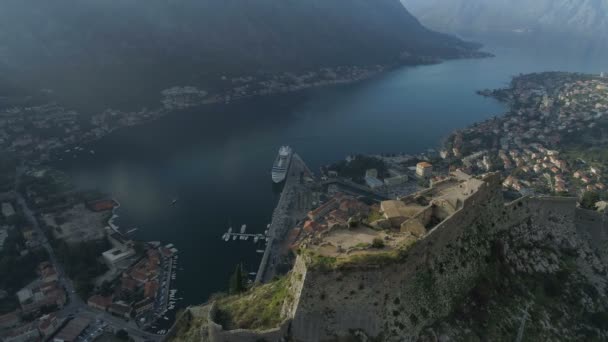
(378, 243)
(122, 335)
(589, 199)
(139, 247)
(237, 282)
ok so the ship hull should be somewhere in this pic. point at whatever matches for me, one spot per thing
(281, 165)
(278, 177)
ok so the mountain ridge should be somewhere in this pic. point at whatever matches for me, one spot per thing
(586, 19)
(91, 42)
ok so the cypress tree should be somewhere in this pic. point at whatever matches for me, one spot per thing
(237, 283)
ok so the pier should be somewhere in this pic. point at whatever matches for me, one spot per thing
(288, 211)
(242, 236)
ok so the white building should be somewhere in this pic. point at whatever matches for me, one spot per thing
(424, 169)
(397, 180)
(24, 295)
(117, 254)
(373, 182)
(372, 173)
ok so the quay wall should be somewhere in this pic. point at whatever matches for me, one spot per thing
(273, 225)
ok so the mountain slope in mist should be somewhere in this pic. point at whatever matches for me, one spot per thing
(570, 18)
(85, 39)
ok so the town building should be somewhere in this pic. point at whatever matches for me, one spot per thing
(99, 302)
(120, 310)
(116, 255)
(9, 320)
(143, 306)
(72, 330)
(395, 181)
(49, 324)
(23, 333)
(323, 210)
(424, 169)
(150, 289)
(373, 183)
(102, 205)
(47, 272)
(373, 173)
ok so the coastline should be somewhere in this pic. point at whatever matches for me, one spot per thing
(110, 120)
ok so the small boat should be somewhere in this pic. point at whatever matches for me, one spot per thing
(243, 228)
(234, 238)
(174, 202)
(252, 273)
(260, 251)
(255, 239)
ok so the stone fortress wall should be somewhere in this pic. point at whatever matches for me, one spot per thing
(394, 302)
(216, 333)
(594, 226)
(400, 298)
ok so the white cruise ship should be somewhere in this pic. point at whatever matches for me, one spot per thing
(281, 164)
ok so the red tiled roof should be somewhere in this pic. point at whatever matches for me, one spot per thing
(102, 205)
(128, 284)
(150, 289)
(100, 301)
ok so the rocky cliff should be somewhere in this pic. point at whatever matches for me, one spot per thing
(477, 275)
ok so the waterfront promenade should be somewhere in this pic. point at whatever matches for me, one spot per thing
(285, 216)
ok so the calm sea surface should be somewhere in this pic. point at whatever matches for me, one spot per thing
(217, 159)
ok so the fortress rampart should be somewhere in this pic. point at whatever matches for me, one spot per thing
(395, 301)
